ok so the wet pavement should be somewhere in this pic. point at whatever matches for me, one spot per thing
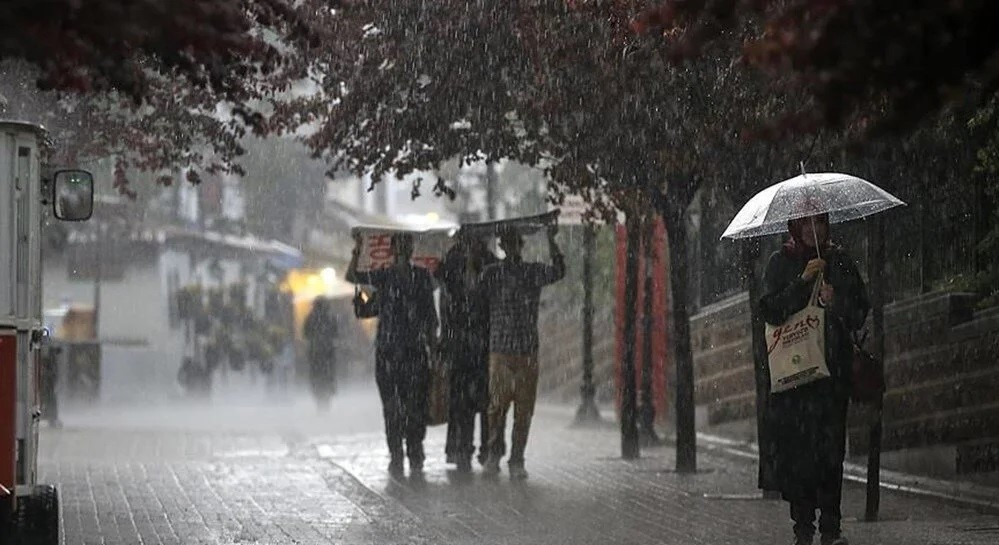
(253, 472)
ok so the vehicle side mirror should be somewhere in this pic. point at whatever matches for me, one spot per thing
(73, 195)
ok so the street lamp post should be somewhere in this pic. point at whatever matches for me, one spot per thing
(98, 275)
(630, 447)
(492, 179)
(588, 412)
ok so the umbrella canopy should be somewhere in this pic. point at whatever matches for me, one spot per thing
(842, 196)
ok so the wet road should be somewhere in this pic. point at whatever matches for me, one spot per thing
(253, 472)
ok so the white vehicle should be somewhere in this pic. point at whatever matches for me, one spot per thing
(29, 512)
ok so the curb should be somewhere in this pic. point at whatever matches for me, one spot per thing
(978, 497)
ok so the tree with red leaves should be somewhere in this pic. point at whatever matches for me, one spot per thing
(866, 65)
(113, 45)
(567, 82)
(412, 84)
(162, 83)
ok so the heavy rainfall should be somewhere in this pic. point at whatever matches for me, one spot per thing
(499, 272)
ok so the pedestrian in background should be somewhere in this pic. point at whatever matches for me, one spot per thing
(465, 346)
(809, 421)
(407, 326)
(321, 329)
(514, 289)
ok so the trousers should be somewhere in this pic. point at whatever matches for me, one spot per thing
(826, 499)
(403, 377)
(513, 379)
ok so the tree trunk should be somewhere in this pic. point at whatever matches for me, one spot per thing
(686, 438)
(629, 413)
(877, 290)
(647, 411)
(588, 412)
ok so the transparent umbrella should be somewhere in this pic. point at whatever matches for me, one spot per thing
(842, 196)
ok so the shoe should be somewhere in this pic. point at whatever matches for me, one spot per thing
(465, 465)
(518, 473)
(396, 468)
(416, 466)
(491, 468)
(416, 476)
(802, 540)
(834, 541)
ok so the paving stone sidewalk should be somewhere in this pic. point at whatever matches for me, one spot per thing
(283, 475)
(580, 491)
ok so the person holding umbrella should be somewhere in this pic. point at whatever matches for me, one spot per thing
(807, 421)
(810, 420)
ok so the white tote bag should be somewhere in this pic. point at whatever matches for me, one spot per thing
(797, 348)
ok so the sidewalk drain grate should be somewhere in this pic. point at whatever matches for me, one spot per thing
(738, 497)
(987, 530)
(670, 470)
(881, 518)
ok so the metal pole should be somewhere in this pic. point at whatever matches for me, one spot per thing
(751, 252)
(588, 412)
(98, 278)
(629, 425)
(491, 182)
(876, 263)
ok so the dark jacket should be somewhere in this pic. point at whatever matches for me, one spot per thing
(320, 329)
(464, 309)
(406, 313)
(807, 425)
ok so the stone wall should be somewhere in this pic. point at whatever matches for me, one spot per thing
(942, 372)
(724, 386)
(941, 410)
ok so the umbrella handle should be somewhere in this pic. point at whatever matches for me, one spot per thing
(814, 299)
(818, 251)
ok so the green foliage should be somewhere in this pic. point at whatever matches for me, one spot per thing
(570, 289)
(986, 122)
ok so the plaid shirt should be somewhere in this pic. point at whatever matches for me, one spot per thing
(514, 289)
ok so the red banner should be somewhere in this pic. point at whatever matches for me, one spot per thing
(8, 408)
(661, 355)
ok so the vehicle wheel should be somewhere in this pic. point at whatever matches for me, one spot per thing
(38, 517)
(21, 522)
(8, 522)
(45, 505)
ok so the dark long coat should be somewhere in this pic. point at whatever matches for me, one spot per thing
(465, 345)
(464, 330)
(807, 425)
(320, 331)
